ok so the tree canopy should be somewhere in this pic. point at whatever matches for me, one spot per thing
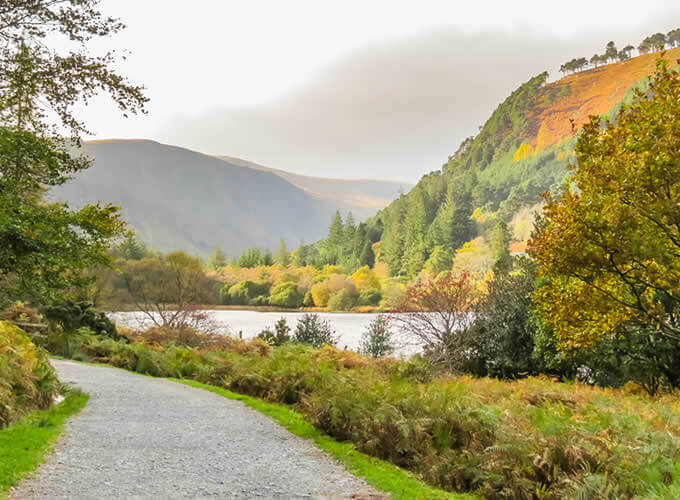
(609, 248)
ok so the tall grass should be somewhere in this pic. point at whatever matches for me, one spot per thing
(532, 438)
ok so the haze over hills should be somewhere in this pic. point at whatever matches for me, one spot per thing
(175, 198)
(363, 197)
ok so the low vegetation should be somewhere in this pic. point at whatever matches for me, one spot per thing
(459, 433)
(24, 444)
(27, 380)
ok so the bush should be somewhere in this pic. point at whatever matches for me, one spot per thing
(312, 330)
(247, 291)
(71, 316)
(377, 340)
(343, 300)
(286, 295)
(370, 297)
(27, 380)
(280, 335)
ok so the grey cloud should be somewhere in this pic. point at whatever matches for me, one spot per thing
(394, 110)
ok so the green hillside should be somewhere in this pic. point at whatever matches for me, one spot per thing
(480, 202)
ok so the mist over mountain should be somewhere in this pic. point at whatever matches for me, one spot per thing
(176, 198)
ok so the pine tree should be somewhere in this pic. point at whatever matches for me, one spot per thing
(393, 237)
(500, 239)
(217, 259)
(367, 257)
(301, 255)
(336, 230)
(283, 256)
(414, 251)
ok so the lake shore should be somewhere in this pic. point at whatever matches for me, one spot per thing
(264, 309)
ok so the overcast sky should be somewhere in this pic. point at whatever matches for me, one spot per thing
(355, 89)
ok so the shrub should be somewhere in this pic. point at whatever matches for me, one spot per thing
(377, 340)
(312, 330)
(71, 316)
(370, 297)
(244, 292)
(320, 294)
(280, 335)
(343, 300)
(27, 380)
(286, 295)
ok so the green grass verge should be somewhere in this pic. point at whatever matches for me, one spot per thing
(23, 445)
(380, 474)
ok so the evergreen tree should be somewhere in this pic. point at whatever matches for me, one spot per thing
(132, 248)
(267, 259)
(336, 231)
(301, 255)
(414, 251)
(367, 257)
(283, 256)
(500, 239)
(393, 237)
(217, 259)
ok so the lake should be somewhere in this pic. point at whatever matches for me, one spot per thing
(348, 326)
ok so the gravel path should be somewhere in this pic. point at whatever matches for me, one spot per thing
(140, 437)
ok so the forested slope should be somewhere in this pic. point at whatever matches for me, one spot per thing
(481, 198)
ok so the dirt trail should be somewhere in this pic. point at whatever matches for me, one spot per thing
(141, 437)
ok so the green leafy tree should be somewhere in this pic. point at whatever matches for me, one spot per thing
(609, 249)
(169, 290)
(45, 246)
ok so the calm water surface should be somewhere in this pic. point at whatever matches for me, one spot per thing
(348, 326)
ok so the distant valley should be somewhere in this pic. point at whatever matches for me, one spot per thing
(177, 198)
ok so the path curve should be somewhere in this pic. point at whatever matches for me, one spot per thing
(142, 437)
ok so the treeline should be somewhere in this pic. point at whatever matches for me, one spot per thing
(652, 43)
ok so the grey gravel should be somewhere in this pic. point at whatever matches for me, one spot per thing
(140, 437)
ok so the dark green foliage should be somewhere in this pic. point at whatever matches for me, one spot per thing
(377, 340)
(251, 258)
(343, 300)
(71, 316)
(131, 249)
(370, 297)
(280, 335)
(367, 257)
(245, 292)
(286, 294)
(312, 330)
(218, 259)
(503, 331)
(500, 239)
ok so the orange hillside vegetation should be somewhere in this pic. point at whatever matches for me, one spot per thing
(592, 92)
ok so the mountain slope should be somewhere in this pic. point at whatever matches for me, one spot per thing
(176, 198)
(521, 151)
(363, 197)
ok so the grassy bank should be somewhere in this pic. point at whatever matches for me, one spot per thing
(24, 444)
(380, 474)
(522, 439)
